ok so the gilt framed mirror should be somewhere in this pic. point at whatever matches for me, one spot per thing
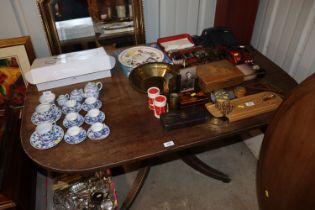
(73, 25)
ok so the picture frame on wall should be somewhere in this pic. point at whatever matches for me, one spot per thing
(16, 57)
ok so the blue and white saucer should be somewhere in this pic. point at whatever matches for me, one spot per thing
(96, 105)
(52, 140)
(75, 139)
(52, 116)
(102, 134)
(91, 120)
(76, 108)
(77, 122)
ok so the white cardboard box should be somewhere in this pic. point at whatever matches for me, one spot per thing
(70, 68)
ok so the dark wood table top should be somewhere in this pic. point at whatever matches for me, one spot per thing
(135, 133)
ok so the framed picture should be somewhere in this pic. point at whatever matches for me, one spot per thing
(188, 79)
(16, 56)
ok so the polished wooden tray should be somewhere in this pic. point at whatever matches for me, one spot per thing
(249, 106)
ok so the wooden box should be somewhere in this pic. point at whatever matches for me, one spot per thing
(218, 74)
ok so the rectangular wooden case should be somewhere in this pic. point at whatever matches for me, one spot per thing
(218, 74)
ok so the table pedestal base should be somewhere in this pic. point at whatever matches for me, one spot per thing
(189, 158)
(136, 187)
(194, 162)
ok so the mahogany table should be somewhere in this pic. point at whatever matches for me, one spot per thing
(136, 135)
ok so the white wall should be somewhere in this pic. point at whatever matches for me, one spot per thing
(170, 17)
(21, 18)
(285, 32)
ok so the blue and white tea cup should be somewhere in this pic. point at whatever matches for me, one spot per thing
(98, 131)
(45, 131)
(62, 99)
(73, 119)
(77, 94)
(47, 98)
(94, 116)
(75, 135)
(91, 103)
(46, 112)
(71, 106)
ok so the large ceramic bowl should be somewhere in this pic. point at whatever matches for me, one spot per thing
(154, 75)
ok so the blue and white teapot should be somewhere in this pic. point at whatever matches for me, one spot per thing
(92, 89)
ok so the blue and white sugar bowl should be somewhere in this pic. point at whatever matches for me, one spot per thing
(46, 112)
(98, 131)
(75, 135)
(77, 94)
(73, 119)
(46, 135)
(91, 103)
(62, 99)
(94, 116)
(92, 89)
(71, 106)
(47, 98)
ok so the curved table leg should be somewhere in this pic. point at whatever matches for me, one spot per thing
(193, 161)
(136, 187)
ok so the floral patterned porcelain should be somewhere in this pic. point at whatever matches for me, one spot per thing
(92, 89)
(47, 141)
(46, 112)
(135, 56)
(88, 106)
(71, 106)
(75, 135)
(94, 116)
(98, 131)
(77, 120)
(77, 94)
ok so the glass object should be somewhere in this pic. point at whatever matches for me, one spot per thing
(121, 9)
(223, 104)
(94, 192)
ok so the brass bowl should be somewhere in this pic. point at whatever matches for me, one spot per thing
(153, 75)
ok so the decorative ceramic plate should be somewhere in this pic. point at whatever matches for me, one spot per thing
(102, 134)
(133, 57)
(40, 143)
(52, 116)
(75, 139)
